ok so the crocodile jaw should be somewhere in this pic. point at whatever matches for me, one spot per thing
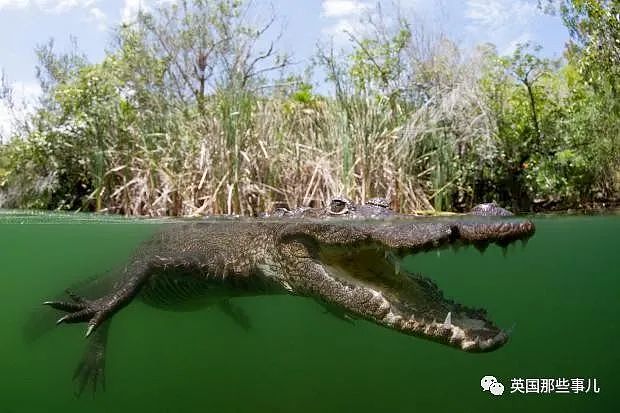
(403, 301)
(355, 265)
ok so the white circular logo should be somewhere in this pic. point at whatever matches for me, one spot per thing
(490, 384)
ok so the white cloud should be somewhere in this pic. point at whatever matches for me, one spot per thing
(63, 6)
(93, 13)
(47, 6)
(14, 4)
(98, 17)
(505, 22)
(342, 16)
(341, 8)
(496, 14)
(131, 8)
(97, 13)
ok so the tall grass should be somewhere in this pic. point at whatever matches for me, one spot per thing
(249, 154)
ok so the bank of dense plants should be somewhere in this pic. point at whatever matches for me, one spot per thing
(193, 110)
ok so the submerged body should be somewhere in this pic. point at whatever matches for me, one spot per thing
(346, 256)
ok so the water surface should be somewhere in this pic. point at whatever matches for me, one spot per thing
(561, 293)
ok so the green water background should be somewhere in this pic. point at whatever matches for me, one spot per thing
(561, 292)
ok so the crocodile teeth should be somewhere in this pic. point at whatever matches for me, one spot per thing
(448, 321)
(287, 286)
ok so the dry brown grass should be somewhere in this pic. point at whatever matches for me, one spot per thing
(279, 153)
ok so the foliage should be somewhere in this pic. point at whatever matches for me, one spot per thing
(594, 26)
(194, 110)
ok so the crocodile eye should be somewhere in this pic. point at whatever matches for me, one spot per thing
(339, 206)
(378, 202)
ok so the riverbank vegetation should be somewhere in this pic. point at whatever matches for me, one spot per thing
(194, 110)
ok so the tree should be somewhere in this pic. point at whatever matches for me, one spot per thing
(594, 26)
(527, 69)
(208, 46)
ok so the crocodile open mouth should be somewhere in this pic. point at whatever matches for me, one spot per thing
(374, 285)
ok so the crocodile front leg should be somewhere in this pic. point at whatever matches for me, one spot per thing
(96, 311)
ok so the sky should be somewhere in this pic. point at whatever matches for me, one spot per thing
(27, 23)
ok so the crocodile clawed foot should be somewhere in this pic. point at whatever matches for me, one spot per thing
(91, 369)
(80, 309)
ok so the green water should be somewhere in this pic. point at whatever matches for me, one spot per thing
(562, 293)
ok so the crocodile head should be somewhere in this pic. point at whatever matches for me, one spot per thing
(349, 256)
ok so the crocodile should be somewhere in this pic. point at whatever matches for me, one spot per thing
(346, 256)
